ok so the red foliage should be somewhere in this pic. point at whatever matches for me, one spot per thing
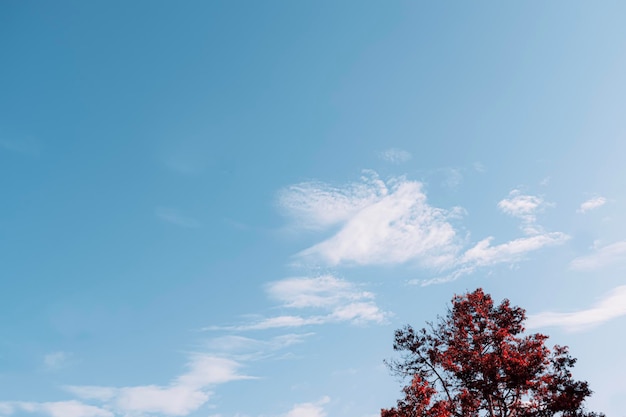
(477, 362)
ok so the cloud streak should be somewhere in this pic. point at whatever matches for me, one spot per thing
(524, 207)
(315, 409)
(484, 254)
(612, 306)
(54, 409)
(324, 299)
(248, 347)
(56, 360)
(380, 223)
(184, 395)
(601, 257)
(395, 155)
(591, 204)
(390, 223)
(316, 205)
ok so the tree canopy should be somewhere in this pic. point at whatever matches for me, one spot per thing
(476, 361)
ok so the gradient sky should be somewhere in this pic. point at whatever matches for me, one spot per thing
(226, 208)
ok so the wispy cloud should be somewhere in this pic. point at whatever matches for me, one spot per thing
(610, 307)
(454, 178)
(317, 205)
(175, 217)
(601, 257)
(314, 409)
(484, 254)
(591, 204)
(524, 207)
(54, 409)
(56, 360)
(326, 299)
(479, 167)
(393, 223)
(395, 155)
(325, 292)
(184, 395)
(382, 223)
(250, 349)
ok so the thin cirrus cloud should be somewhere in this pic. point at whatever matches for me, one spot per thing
(312, 409)
(393, 223)
(184, 395)
(454, 178)
(483, 254)
(601, 257)
(591, 204)
(324, 291)
(316, 205)
(244, 348)
(395, 155)
(54, 409)
(524, 207)
(612, 306)
(324, 299)
(381, 223)
(56, 360)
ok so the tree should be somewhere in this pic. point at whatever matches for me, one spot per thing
(476, 362)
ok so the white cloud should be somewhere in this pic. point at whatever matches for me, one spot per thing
(174, 216)
(232, 344)
(170, 401)
(55, 409)
(316, 205)
(275, 323)
(610, 307)
(315, 409)
(355, 313)
(6, 408)
(56, 360)
(182, 396)
(395, 227)
(87, 392)
(343, 301)
(524, 207)
(454, 178)
(73, 409)
(392, 223)
(209, 370)
(337, 300)
(324, 291)
(592, 204)
(601, 257)
(484, 254)
(358, 313)
(395, 155)
(479, 167)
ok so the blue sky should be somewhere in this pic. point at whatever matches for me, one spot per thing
(225, 209)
